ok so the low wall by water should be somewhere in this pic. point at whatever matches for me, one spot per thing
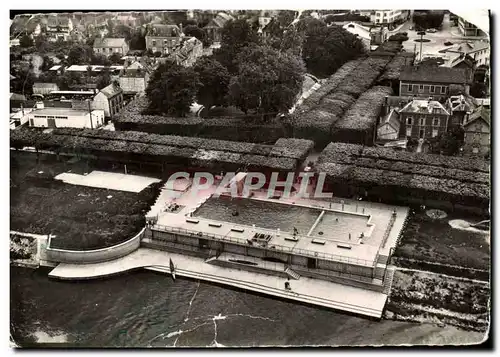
(94, 256)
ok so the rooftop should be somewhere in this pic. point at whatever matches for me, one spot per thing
(59, 111)
(220, 20)
(423, 106)
(111, 90)
(482, 113)
(161, 30)
(436, 75)
(109, 42)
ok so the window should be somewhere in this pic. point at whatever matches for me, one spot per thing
(421, 88)
(422, 121)
(443, 90)
(410, 87)
(432, 89)
(408, 130)
(153, 42)
(409, 121)
(434, 133)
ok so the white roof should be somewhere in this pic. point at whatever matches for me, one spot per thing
(478, 17)
(54, 68)
(83, 68)
(357, 29)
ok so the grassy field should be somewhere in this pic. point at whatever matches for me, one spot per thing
(81, 217)
(430, 297)
(436, 241)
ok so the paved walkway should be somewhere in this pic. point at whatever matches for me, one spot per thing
(312, 291)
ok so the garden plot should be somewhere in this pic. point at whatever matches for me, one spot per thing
(108, 180)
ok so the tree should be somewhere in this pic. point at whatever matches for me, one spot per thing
(195, 31)
(268, 81)
(115, 58)
(236, 35)
(428, 19)
(47, 63)
(25, 41)
(172, 89)
(448, 143)
(68, 80)
(326, 49)
(214, 82)
(79, 54)
(103, 79)
(100, 60)
(138, 41)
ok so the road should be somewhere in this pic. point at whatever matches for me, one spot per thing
(447, 33)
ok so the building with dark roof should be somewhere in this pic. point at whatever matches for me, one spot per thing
(389, 126)
(110, 99)
(59, 28)
(108, 46)
(423, 119)
(163, 38)
(426, 81)
(214, 27)
(477, 134)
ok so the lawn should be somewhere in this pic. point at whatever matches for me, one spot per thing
(80, 217)
(434, 240)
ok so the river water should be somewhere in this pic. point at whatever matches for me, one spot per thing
(144, 309)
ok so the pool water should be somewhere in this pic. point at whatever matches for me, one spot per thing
(268, 215)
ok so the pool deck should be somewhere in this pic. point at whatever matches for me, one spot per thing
(311, 291)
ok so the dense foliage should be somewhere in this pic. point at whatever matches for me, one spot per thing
(172, 89)
(268, 81)
(214, 82)
(195, 31)
(428, 19)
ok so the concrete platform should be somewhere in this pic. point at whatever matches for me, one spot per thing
(109, 180)
(311, 291)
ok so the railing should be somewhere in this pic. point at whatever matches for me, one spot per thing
(388, 230)
(270, 247)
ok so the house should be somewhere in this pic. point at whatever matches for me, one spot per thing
(108, 46)
(59, 28)
(389, 18)
(478, 133)
(44, 88)
(187, 52)
(389, 127)
(126, 20)
(479, 51)
(110, 99)
(460, 107)
(42, 117)
(378, 35)
(463, 61)
(57, 69)
(135, 78)
(163, 38)
(26, 24)
(426, 81)
(363, 33)
(421, 119)
(215, 26)
(468, 29)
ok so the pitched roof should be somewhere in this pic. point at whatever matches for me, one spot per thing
(57, 20)
(220, 20)
(44, 85)
(392, 119)
(480, 113)
(161, 30)
(357, 29)
(109, 42)
(460, 103)
(422, 106)
(111, 90)
(436, 75)
(468, 60)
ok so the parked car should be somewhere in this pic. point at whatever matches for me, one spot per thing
(432, 30)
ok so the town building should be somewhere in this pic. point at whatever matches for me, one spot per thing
(44, 88)
(59, 28)
(110, 99)
(468, 29)
(460, 107)
(135, 78)
(378, 35)
(187, 52)
(215, 26)
(163, 38)
(42, 117)
(423, 119)
(477, 133)
(361, 32)
(387, 18)
(462, 61)
(435, 82)
(108, 46)
(126, 20)
(479, 51)
(389, 127)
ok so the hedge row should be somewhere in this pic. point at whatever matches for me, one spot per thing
(417, 174)
(285, 155)
(395, 67)
(238, 128)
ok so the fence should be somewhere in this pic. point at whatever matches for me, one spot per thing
(94, 256)
(271, 247)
